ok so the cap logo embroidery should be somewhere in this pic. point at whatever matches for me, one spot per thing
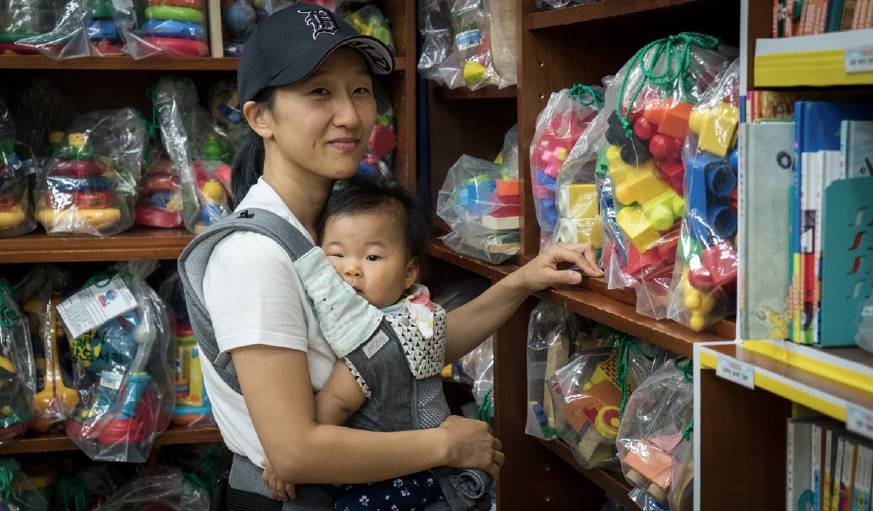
(321, 22)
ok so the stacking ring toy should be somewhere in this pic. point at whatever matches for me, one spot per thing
(168, 12)
(172, 28)
(102, 29)
(69, 185)
(77, 168)
(190, 4)
(183, 47)
(88, 200)
(97, 218)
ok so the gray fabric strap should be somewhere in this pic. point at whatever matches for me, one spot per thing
(192, 267)
(246, 476)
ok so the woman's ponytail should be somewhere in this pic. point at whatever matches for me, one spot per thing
(248, 165)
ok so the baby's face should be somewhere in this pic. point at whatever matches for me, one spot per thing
(369, 252)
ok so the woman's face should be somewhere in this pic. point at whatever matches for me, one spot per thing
(322, 124)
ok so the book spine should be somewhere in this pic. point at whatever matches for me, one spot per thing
(868, 18)
(847, 15)
(789, 466)
(777, 19)
(823, 501)
(811, 178)
(743, 309)
(823, 16)
(795, 223)
(838, 474)
(835, 15)
(863, 478)
(815, 464)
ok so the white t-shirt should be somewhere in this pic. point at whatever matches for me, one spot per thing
(253, 296)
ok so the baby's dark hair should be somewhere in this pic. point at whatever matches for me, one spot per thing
(378, 194)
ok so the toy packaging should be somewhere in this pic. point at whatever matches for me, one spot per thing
(63, 34)
(192, 406)
(89, 184)
(102, 28)
(124, 379)
(16, 215)
(164, 489)
(195, 150)
(369, 20)
(39, 292)
(548, 5)
(552, 337)
(704, 280)
(20, 19)
(456, 47)
(160, 196)
(380, 147)
(88, 488)
(169, 28)
(17, 368)
(633, 148)
(17, 492)
(590, 392)
(656, 422)
(480, 201)
(559, 125)
(227, 119)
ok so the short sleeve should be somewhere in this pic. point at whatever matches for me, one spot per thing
(253, 294)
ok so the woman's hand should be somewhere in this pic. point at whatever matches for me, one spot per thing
(281, 490)
(471, 445)
(544, 270)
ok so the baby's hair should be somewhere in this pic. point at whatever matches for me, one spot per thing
(380, 195)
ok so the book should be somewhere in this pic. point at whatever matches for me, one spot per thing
(835, 15)
(847, 15)
(832, 437)
(798, 473)
(765, 193)
(847, 478)
(817, 128)
(856, 148)
(817, 448)
(838, 473)
(863, 484)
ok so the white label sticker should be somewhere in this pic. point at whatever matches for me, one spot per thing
(372, 347)
(859, 59)
(468, 39)
(111, 380)
(859, 420)
(735, 371)
(95, 305)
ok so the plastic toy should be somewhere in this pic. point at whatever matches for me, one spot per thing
(192, 403)
(103, 29)
(581, 222)
(716, 128)
(211, 176)
(17, 373)
(171, 28)
(369, 21)
(169, 12)
(190, 4)
(380, 148)
(18, 493)
(179, 47)
(160, 203)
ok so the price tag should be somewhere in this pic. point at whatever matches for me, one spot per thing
(95, 305)
(735, 371)
(859, 59)
(859, 420)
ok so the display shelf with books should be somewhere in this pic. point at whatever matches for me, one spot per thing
(821, 60)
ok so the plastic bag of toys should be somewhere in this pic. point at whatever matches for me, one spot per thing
(124, 379)
(456, 48)
(160, 196)
(39, 292)
(548, 5)
(88, 488)
(681, 495)
(657, 418)
(17, 368)
(227, 118)
(503, 17)
(559, 125)
(551, 339)
(59, 31)
(590, 393)
(17, 492)
(89, 184)
(635, 142)
(369, 20)
(16, 216)
(480, 201)
(21, 19)
(169, 28)
(192, 406)
(196, 152)
(382, 142)
(164, 488)
(705, 277)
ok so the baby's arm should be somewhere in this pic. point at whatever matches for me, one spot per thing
(340, 397)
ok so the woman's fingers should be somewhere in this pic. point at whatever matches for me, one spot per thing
(291, 491)
(582, 255)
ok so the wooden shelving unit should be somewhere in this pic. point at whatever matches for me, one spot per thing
(136, 243)
(580, 44)
(123, 63)
(59, 443)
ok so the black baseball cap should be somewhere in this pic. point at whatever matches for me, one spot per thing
(290, 44)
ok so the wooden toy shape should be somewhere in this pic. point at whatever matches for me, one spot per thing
(715, 127)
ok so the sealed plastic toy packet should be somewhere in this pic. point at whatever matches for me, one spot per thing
(383, 140)
(16, 214)
(503, 16)
(164, 488)
(87, 488)
(124, 379)
(194, 151)
(480, 201)
(456, 51)
(89, 185)
(591, 391)
(192, 407)
(160, 195)
(39, 292)
(705, 275)
(20, 19)
(169, 28)
(681, 497)
(369, 20)
(17, 368)
(17, 492)
(62, 36)
(551, 339)
(657, 420)
(228, 121)
(568, 206)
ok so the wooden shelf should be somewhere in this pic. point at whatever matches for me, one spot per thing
(128, 64)
(490, 92)
(136, 243)
(812, 390)
(612, 484)
(599, 10)
(441, 251)
(57, 443)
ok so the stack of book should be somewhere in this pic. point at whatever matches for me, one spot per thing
(808, 17)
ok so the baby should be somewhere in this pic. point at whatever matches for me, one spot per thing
(374, 236)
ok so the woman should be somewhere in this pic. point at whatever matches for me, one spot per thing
(306, 88)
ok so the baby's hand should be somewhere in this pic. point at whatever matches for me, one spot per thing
(281, 490)
(543, 271)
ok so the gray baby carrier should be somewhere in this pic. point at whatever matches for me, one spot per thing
(402, 383)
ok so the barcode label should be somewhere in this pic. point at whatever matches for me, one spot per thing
(859, 59)
(735, 371)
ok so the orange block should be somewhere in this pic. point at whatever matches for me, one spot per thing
(671, 116)
(508, 187)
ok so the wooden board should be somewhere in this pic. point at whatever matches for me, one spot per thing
(57, 443)
(137, 243)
